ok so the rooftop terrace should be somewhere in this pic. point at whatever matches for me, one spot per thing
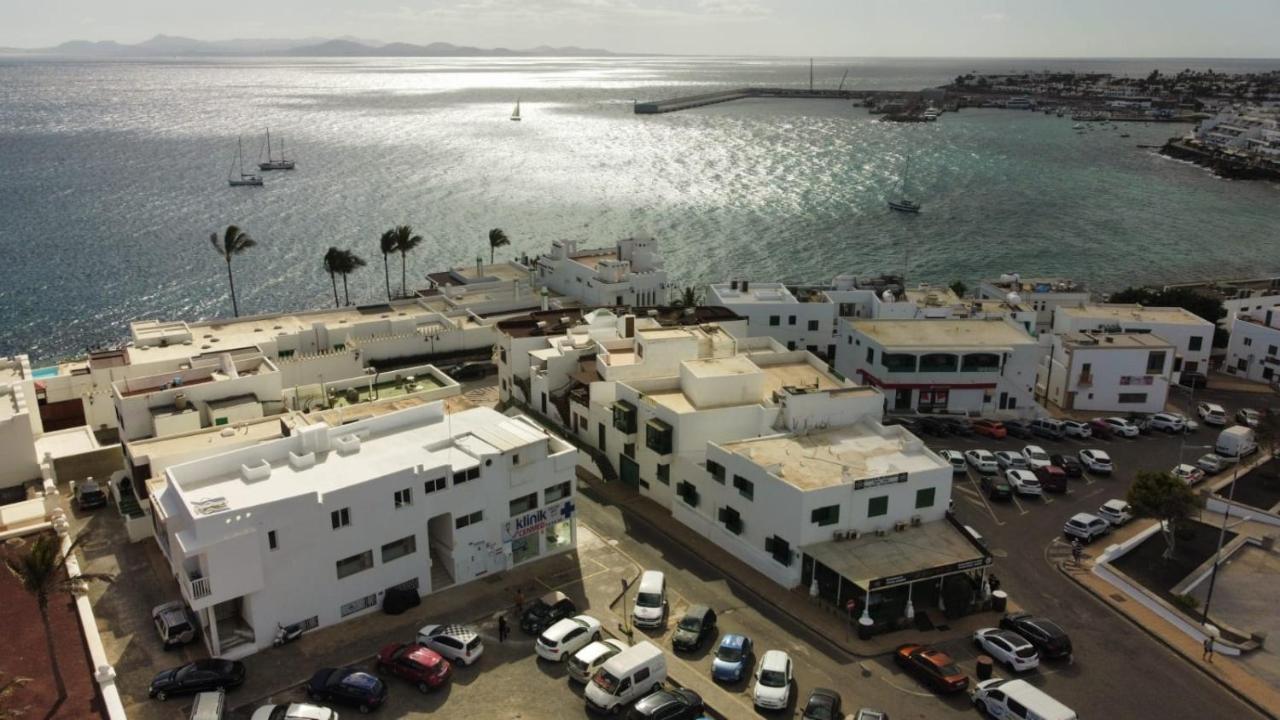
(1120, 313)
(943, 334)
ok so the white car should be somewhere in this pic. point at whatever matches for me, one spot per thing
(567, 637)
(1074, 428)
(1189, 474)
(1009, 648)
(1248, 417)
(457, 643)
(1024, 482)
(982, 461)
(1007, 459)
(1036, 457)
(1096, 461)
(1212, 413)
(1169, 422)
(956, 458)
(1086, 527)
(294, 711)
(1214, 463)
(584, 663)
(772, 690)
(1116, 512)
(1122, 427)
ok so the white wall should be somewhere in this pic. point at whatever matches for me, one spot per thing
(1254, 349)
(1182, 335)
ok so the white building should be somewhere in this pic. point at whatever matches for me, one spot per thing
(771, 309)
(1249, 130)
(630, 274)
(1042, 294)
(19, 425)
(1109, 372)
(317, 526)
(1254, 350)
(1190, 335)
(1250, 296)
(954, 366)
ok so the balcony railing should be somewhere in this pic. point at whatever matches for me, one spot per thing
(199, 588)
(1085, 379)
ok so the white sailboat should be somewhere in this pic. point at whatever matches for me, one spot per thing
(515, 114)
(902, 203)
(243, 178)
(272, 163)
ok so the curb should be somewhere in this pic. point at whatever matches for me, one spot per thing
(1247, 700)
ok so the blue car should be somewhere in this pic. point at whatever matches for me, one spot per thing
(733, 656)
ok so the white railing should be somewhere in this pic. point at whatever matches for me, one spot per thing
(199, 588)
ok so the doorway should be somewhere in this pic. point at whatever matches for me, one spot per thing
(630, 471)
(440, 550)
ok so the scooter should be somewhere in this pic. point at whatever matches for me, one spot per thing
(288, 633)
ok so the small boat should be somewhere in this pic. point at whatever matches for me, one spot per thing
(1124, 135)
(515, 114)
(902, 203)
(272, 163)
(244, 178)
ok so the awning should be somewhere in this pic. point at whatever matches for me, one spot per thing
(874, 562)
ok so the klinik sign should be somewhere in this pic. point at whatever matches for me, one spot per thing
(535, 521)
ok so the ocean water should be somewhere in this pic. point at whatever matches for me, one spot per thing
(113, 175)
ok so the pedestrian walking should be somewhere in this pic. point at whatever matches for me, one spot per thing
(1208, 650)
(503, 630)
(1077, 551)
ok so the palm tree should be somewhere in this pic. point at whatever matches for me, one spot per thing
(688, 297)
(497, 239)
(332, 261)
(405, 241)
(234, 241)
(341, 262)
(387, 243)
(42, 570)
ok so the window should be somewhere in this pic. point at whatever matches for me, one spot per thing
(220, 421)
(271, 540)
(791, 344)
(465, 520)
(643, 483)
(878, 506)
(939, 363)
(829, 515)
(731, 519)
(716, 470)
(556, 492)
(522, 505)
(339, 347)
(688, 493)
(397, 549)
(871, 356)
(925, 497)
(1248, 341)
(791, 319)
(431, 486)
(1155, 361)
(780, 549)
(664, 474)
(1132, 398)
(657, 436)
(355, 564)
(898, 362)
(980, 362)
(404, 498)
(624, 417)
(775, 320)
(813, 325)
(502, 355)
(1271, 349)
(1195, 342)
(283, 354)
(629, 449)
(467, 475)
(367, 601)
(340, 518)
(746, 488)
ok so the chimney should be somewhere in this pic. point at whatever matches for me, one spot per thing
(629, 326)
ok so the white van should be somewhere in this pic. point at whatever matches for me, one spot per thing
(208, 706)
(1236, 442)
(628, 676)
(1019, 700)
(651, 600)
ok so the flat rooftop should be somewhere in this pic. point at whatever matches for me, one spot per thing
(592, 258)
(468, 275)
(797, 374)
(915, 549)
(208, 441)
(943, 334)
(838, 456)
(65, 443)
(933, 296)
(1134, 313)
(1116, 341)
(756, 293)
(1039, 285)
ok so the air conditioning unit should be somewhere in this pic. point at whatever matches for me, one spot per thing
(853, 534)
(900, 526)
(837, 535)
(915, 521)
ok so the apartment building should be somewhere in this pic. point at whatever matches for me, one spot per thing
(1109, 372)
(1190, 335)
(806, 322)
(1254, 350)
(629, 274)
(1246, 130)
(1042, 294)
(19, 422)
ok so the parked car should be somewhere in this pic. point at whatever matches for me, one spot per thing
(584, 663)
(415, 663)
(175, 623)
(567, 637)
(1069, 465)
(1211, 413)
(546, 610)
(1140, 421)
(1189, 474)
(870, 714)
(995, 487)
(1248, 417)
(347, 686)
(473, 370)
(197, 676)
(89, 495)
(697, 624)
(1052, 479)
(1213, 464)
(632, 674)
(1085, 527)
(1036, 457)
(932, 667)
(956, 458)
(649, 610)
(1077, 429)
(990, 428)
(823, 704)
(1018, 429)
(1008, 648)
(774, 679)
(293, 711)
(673, 704)
(457, 643)
(733, 656)
(958, 426)
(1050, 639)
(1122, 427)
(1096, 461)
(933, 426)
(1000, 698)
(1193, 380)
(1101, 429)
(1010, 459)
(1048, 428)
(1169, 422)
(982, 461)
(1024, 482)
(1116, 512)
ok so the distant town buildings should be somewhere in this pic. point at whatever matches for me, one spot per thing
(1247, 130)
(1041, 294)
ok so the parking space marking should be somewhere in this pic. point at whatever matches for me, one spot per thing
(987, 505)
(1021, 510)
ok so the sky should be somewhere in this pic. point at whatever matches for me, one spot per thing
(844, 28)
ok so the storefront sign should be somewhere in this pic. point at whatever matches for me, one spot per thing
(879, 481)
(918, 575)
(1136, 380)
(535, 521)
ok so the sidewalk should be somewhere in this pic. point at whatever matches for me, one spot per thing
(1223, 381)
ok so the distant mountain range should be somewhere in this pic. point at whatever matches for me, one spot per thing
(171, 46)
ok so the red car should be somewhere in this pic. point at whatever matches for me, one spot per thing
(416, 663)
(932, 667)
(1101, 429)
(990, 428)
(1052, 478)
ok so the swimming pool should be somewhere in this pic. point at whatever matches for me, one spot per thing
(45, 372)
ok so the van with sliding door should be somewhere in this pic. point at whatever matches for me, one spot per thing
(1018, 700)
(626, 677)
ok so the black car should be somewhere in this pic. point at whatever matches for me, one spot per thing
(1069, 465)
(934, 427)
(348, 686)
(89, 495)
(1193, 380)
(1018, 429)
(545, 611)
(473, 370)
(674, 704)
(823, 704)
(198, 676)
(698, 624)
(1050, 640)
(996, 487)
(958, 427)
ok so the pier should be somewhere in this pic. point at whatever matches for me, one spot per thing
(687, 102)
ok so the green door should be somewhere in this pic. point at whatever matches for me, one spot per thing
(630, 471)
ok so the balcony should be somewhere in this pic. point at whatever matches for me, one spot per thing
(199, 588)
(1085, 379)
